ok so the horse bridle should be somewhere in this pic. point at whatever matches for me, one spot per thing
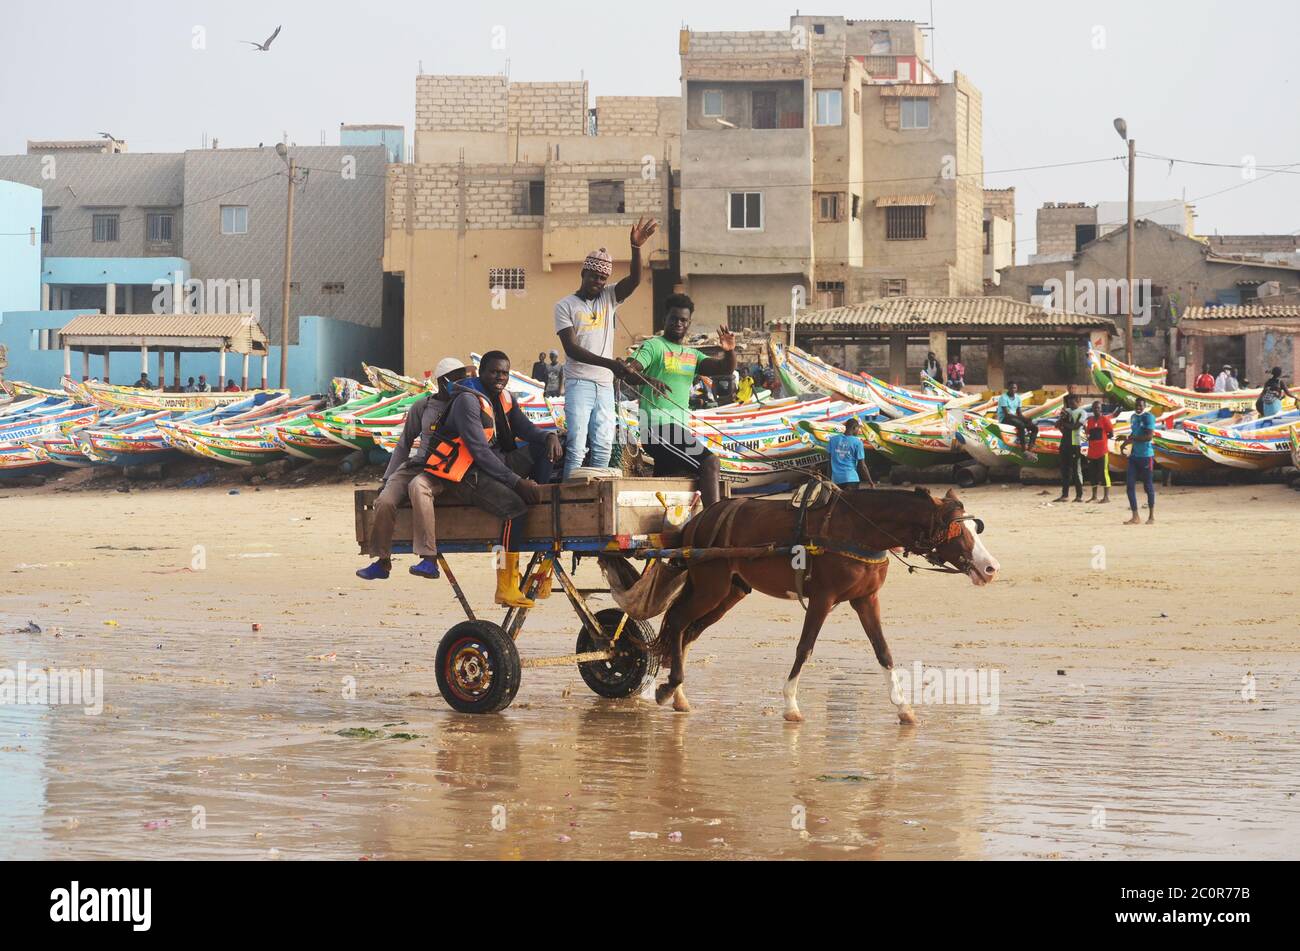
(947, 533)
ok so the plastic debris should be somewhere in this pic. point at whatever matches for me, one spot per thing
(110, 623)
(643, 835)
(674, 837)
(256, 626)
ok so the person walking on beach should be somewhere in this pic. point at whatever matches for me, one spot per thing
(1070, 423)
(1009, 413)
(849, 456)
(1141, 460)
(585, 322)
(554, 378)
(1099, 429)
(539, 369)
(1270, 398)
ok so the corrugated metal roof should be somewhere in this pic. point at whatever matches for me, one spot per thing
(1241, 311)
(890, 201)
(241, 331)
(939, 312)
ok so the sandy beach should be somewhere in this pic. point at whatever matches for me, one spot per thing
(1149, 680)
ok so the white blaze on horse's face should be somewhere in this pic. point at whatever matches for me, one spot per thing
(984, 567)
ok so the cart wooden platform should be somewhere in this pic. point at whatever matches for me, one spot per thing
(478, 667)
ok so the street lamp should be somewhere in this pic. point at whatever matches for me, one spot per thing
(283, 152)
(1130, 352)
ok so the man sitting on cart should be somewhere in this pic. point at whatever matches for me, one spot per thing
(476, 449)
(406, 478)
(668, 367)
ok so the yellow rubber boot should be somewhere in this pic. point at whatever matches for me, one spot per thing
(508, 592)
(544, 586)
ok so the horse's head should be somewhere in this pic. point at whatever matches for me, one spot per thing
(957, 545)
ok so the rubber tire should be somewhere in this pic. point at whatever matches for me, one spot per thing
(502, 657)
(635, 668)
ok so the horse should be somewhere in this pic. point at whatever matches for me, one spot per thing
(838, 552)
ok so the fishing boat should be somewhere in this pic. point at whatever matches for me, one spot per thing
(356, 424)
(130, 397)
(393, 382)
(43, 419)
(244, 440)
(1255, 444)
(1124, 384)
(17, 461)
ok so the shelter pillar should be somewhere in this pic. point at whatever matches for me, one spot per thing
(243, 382)
(45, 296)
(939, 344)
(110, 298)
(162, 369)
(107, 356)
(85, 362)
(221, 370)
(265, 357)
(1195, 358)
(176, 368)
(144, 361)
(67, 360)
(898, 359)
(996, 363)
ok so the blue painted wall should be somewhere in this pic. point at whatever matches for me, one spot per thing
(20, 247)
(111, 271)
(328, 348)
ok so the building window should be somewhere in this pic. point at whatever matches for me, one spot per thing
(893, 287)
(857, 102)
(1084, 234)
(745, 316)
(828, 207)
(905, 223)
(506, 278)
(712, 103)
(763, 111)
(829, 106)
(234, 219)
(857, 207)
(605, 198)
(831, 293)
(104, 228)
(47, 228)
(746, 211)
(158, 227)
(819, 29)
(332, 287)
(914, 112)
(532, 198)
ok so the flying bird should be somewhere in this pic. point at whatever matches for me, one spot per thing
(266, 45)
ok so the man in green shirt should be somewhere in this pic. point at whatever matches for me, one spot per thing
(667, 368)
(1070, 423)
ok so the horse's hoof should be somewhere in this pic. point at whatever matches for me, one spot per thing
(681, 704)
(793, 716)
(907, 717)
(662, 693)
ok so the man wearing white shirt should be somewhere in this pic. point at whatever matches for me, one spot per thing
(1225, 382)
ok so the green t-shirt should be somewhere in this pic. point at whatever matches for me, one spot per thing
(674, 365)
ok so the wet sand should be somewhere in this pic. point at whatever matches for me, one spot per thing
(220, 742)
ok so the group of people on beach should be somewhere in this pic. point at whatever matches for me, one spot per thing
(463, 438)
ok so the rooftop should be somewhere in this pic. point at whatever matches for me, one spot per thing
(238, 333)
(938, 312)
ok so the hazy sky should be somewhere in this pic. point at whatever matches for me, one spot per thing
(1201, 80)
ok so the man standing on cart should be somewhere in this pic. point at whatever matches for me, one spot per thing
(667, 367)
(476, 447)
(584, 322)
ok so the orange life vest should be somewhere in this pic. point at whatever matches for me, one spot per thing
(450, 459)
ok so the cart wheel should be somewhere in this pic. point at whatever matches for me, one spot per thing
(477, 667)
(631, 670)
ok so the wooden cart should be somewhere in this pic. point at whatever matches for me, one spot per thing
(478, 666)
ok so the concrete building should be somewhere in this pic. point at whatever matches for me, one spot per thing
(1254, 337)
(825, 162)
(999, 233)
(114, 224)
(512, 186)
(1174, 273)
(1066, 226)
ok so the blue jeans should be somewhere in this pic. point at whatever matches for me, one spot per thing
(589, 419)
(1144, 469)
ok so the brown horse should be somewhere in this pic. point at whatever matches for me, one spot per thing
(865, 521)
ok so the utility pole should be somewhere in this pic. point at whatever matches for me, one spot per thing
(1130, 343)
(288, 270)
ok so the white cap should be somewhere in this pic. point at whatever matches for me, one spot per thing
(447, 365)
